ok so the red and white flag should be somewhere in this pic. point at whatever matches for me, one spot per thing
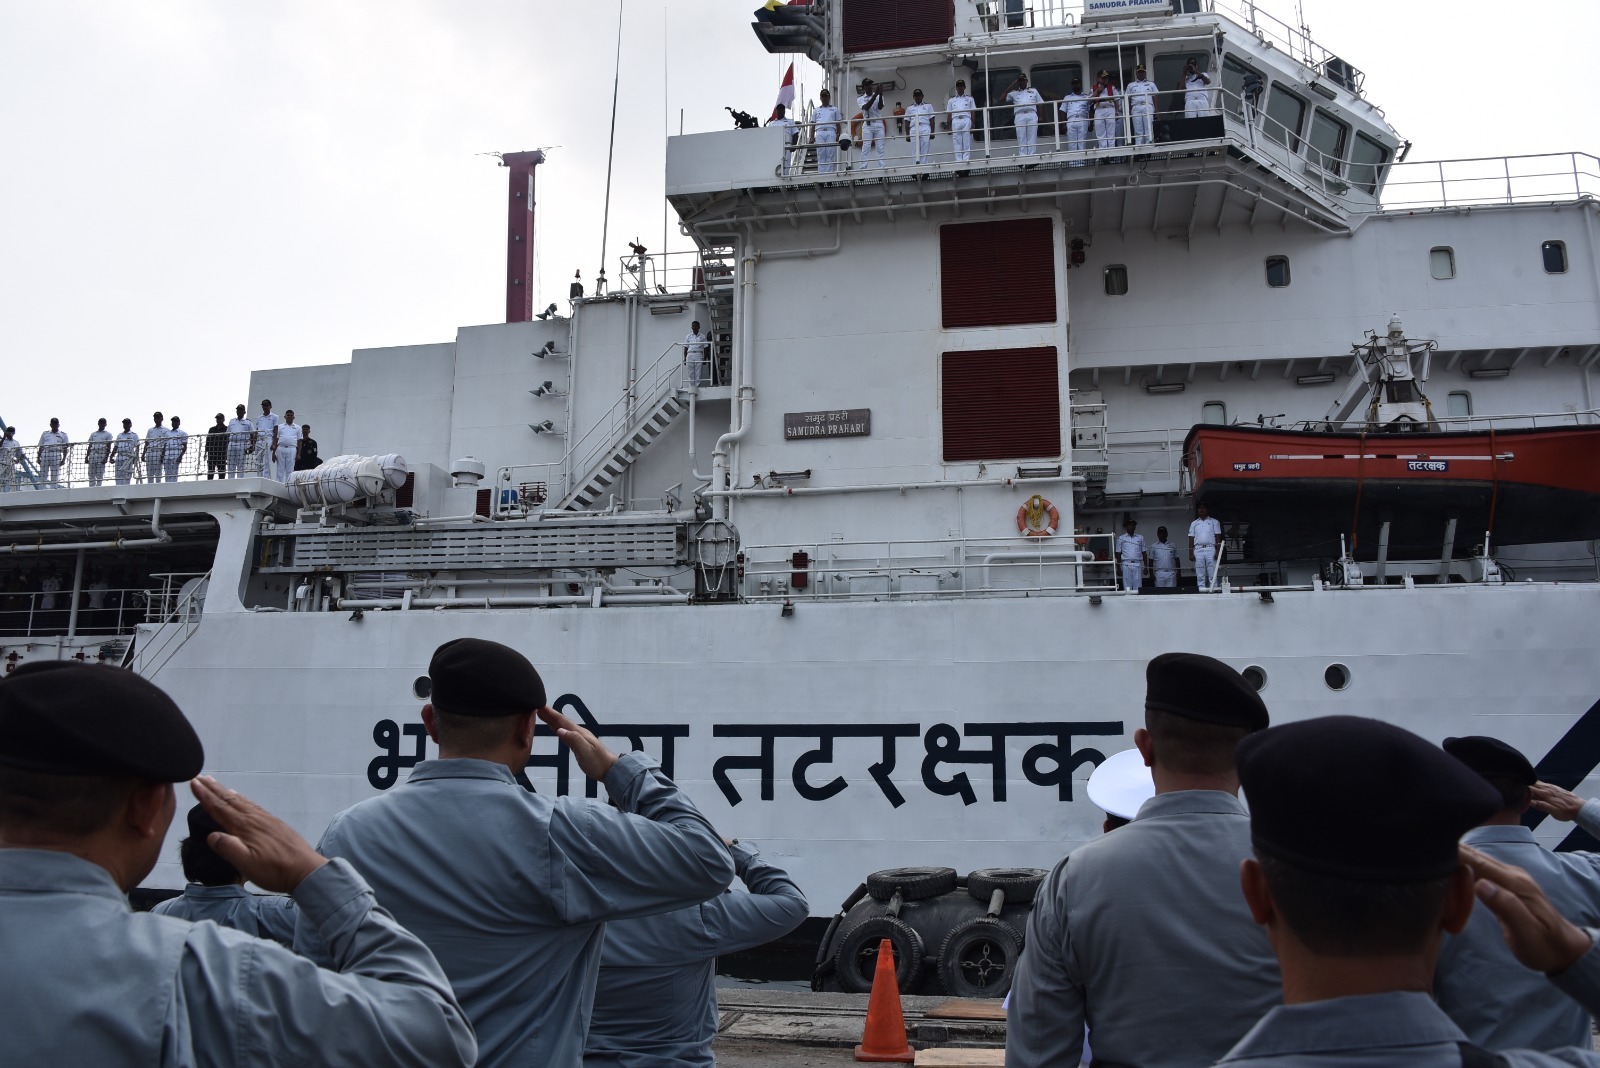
(785, 93)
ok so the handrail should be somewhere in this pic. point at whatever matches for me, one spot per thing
(618, 420)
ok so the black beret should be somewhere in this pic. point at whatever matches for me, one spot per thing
(202, 824)
(1355, 798)
(1200, 688)
(69, 718)
(475, 677)
(1490, 757)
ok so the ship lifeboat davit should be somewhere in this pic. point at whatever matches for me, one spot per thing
(344, 479)
(1300, 489)
(950, 935)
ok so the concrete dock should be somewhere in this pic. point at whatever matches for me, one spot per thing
(798, 1029)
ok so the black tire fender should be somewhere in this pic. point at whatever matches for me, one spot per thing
(914, 884)
(1020, 884)
(979, 958)
(857, 960)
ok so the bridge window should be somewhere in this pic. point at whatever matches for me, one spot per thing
(1442, 262)
(1367, 160)
(1241, 85)
(1286, 116)
(1458, 405)
(1328, 136)
(1277, 271)
(1555, 257)
(1054, 81)
(1116, 280)
(1214, 413)
(998, 273)
(1001, 404)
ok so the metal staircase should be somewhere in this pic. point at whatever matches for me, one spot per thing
(624, 451)
(716, 263)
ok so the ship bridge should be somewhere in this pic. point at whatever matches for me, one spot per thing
(1276, 132)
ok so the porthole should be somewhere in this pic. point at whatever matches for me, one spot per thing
(1337, 677)
(1255, 677)
(422, 687)
(1442, 262)
(1116, 280)
(1277, 271)
(1555, 257)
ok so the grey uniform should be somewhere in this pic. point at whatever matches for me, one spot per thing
(512, 889)
(1144, 936)
(1496, 1001)
(89, 982)
(261, 915)
(1404, 1027)
(656, 1002)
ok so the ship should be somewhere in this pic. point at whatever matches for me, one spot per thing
(851, 582)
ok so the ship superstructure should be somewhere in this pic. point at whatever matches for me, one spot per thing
(820, 587)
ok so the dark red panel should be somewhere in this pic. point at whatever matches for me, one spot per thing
(1001, 404)
(485, 502)
(405, 496)
(519, 235)
(998, 273)
(874, 25)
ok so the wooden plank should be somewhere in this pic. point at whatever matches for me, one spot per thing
(951, 1057)
(969, 1009)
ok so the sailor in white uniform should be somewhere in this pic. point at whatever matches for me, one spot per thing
(266, 436)
(1105, 112)
(1075, 109)
(1025, 103)
(961, 107)
(1141, 96)
(125, 453)
(1205, 541)
(287, 446)
(871, 104)
(1131, 552)
(919, 123)
(241, 435)
(52, 451)
(1164, 561)
(10, 456)
(1196, 94)
(177, 447)
(97, 453)
(697, 355)
(780, 117)
(155, 450)
(825, 133)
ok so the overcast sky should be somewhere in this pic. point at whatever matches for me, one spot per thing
(196, 188)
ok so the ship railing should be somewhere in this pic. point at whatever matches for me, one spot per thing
(178, 601)
(1142, 462)
(1008, 16)
(1537, 178)
(1062, 563)
(662, 273)
(667, 374)
(48, 612)
(92, 463)
(1350, 181)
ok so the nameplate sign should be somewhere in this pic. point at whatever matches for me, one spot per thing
(1114, 9)
(837, 423)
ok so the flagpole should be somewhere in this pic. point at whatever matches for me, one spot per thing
(611, 155)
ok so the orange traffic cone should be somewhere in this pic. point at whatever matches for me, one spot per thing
(885, 1035)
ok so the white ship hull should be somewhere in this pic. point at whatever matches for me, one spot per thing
(289, 704)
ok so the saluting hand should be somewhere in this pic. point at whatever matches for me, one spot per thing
(593, 757)
(1564, 805)
(1538, 936)
(266, 850)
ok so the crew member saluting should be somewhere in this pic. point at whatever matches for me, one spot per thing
(511, 888)
(1196, 92)
(871, 104)
(1025, 103)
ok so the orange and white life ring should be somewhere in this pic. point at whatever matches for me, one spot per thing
(1037, 518)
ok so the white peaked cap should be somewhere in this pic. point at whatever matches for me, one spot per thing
(1121, 784)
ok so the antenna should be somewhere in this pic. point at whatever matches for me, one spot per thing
(611, 155)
